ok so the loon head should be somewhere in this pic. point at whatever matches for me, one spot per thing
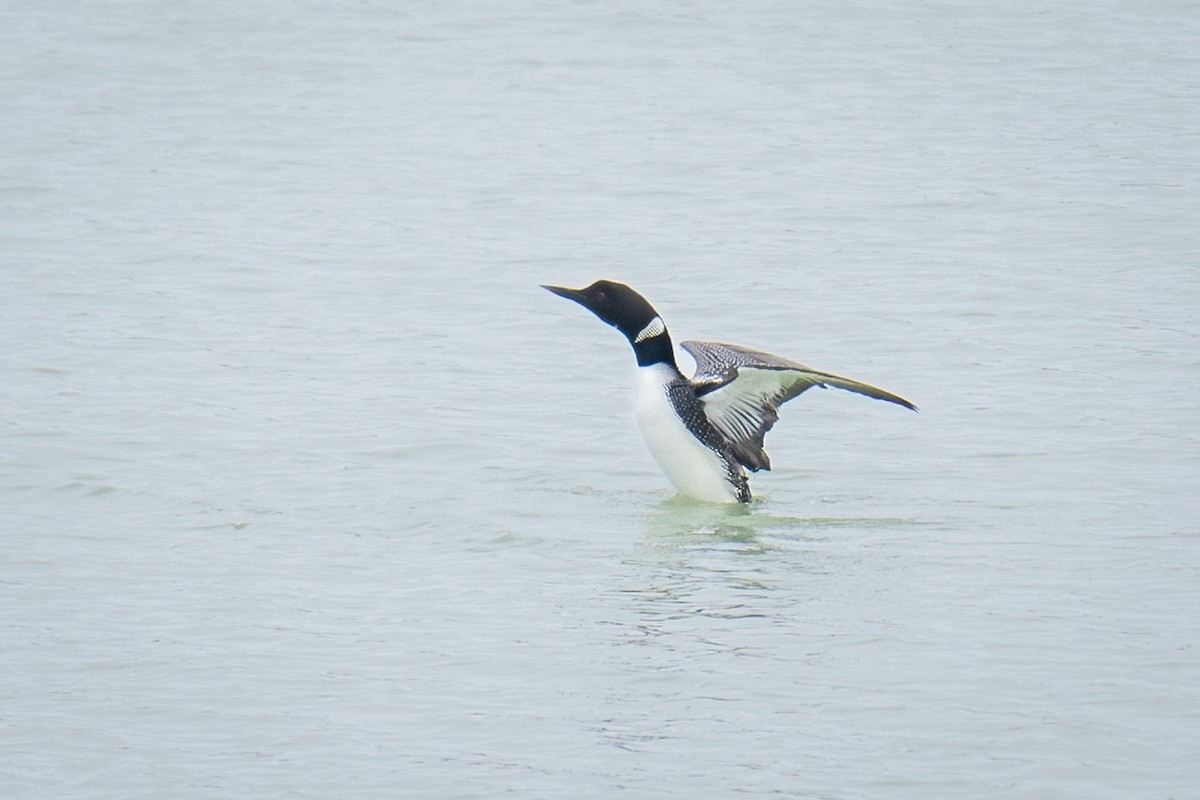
(628, 312)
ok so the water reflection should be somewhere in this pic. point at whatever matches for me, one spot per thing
(705, 595)
(683, 522)
(701, 562)
(707, 562)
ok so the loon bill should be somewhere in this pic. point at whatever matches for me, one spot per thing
(706, 431)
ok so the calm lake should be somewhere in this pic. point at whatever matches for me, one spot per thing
(307, 490)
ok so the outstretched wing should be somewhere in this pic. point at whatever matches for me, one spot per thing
(742, 390)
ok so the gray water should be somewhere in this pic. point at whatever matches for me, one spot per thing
(308, 491)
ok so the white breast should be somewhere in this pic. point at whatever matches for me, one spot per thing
(694, 469)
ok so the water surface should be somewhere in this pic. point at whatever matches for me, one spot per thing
(307, 490)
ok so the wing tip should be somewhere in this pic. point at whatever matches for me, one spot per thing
(900, 401)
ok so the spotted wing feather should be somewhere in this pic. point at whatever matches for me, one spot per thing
(742, 389)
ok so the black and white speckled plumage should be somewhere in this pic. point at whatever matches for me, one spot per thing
(690, 409)
(705, 432)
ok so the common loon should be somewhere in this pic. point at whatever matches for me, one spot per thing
(707, 431)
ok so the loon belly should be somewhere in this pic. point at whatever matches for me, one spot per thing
(695, 469)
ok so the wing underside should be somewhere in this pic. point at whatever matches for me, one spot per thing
(742, 389)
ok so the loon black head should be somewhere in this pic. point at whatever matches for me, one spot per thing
(628, 312)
